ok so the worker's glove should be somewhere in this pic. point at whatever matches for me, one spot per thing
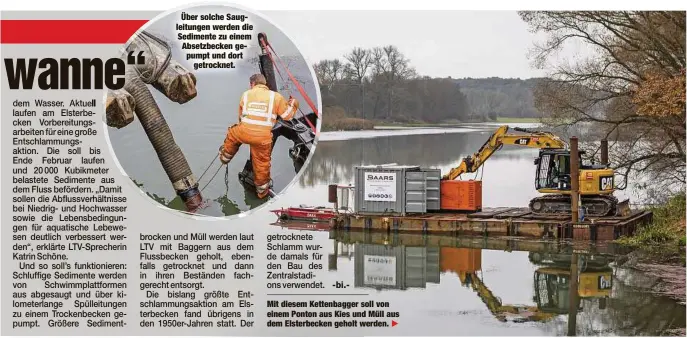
(293, 102)
(224, 156)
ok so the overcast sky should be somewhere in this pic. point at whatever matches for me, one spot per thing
(438, 43)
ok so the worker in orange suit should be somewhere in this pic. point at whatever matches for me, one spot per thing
(258, 111)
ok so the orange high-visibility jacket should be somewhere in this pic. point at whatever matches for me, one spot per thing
(260, 107)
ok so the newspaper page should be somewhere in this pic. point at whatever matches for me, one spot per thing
(218, 170)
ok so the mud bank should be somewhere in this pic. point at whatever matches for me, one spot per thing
(662, 277)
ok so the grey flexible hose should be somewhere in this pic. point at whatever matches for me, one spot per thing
(172, 159)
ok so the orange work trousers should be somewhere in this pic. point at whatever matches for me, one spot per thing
(260, 142)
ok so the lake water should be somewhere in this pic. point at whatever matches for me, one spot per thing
(473, 286)
(463, 286)
(458, 287)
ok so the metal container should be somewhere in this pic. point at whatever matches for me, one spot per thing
(378, 266)
(433, 265)
(416, 267)
(343, 194)
(401, 267)
(433, 186)
(416, 192)
(396, 190)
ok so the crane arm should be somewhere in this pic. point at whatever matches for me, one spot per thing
(501, 311)
(527, 138)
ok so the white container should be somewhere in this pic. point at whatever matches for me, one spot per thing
(396, 190)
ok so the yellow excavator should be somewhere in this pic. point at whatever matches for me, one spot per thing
(552, 174)
(516, 313)
(466, 263)
(551, 286)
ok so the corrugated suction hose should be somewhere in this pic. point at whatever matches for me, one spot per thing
(160, 136)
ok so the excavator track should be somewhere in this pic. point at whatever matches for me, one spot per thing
(557, 204)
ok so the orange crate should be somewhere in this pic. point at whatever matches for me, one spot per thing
(460, 260)
(461, 195)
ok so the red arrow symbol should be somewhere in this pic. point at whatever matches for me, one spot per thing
(393, 323)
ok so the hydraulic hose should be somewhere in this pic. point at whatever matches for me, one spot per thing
(266, 65)
(160, 136)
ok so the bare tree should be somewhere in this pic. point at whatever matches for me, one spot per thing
(329, 72)
(485, 102)
(379, 69)
(335, 73)
(359, 62)
(381, 82)
(320, 69)
(393, 67)
(638, 56)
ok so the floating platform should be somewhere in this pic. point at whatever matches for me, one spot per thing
(305, 213)
(504, 221)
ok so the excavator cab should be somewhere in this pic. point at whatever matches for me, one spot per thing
(552, 287)
(553, 169)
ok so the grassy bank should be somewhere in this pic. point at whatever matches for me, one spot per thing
(667, 230)
(336, 119)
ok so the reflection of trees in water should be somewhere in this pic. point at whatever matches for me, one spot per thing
(635, 310)
(334, 161)
(631, 310)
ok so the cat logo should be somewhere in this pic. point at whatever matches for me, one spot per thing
(605, 283)
(522, 141)
(605, 183)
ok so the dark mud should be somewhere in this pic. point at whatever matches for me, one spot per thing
(661, 275)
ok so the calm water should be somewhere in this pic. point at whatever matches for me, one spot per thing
(476, 286)
(458, 287)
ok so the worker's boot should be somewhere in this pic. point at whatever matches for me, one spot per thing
(263, 190)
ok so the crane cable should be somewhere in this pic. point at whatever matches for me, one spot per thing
(269, 48)
(299, 109)
(295, 82)
(208, 168)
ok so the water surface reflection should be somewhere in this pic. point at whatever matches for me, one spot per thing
(537, 288)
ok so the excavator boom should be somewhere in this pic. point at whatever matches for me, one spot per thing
(501, 312)
(553, 173)
(526, 138)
